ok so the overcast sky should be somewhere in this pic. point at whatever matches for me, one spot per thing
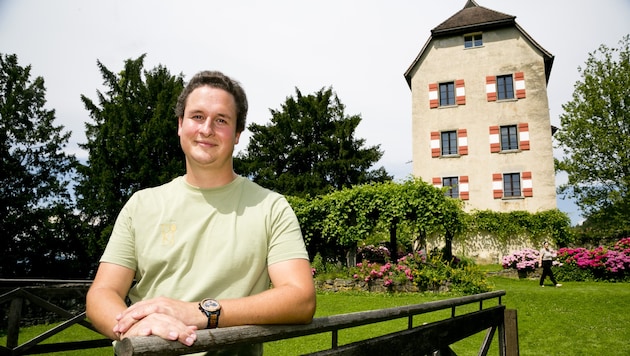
(360, 48)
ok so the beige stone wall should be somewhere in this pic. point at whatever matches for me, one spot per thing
(504, 51)
(483, 248)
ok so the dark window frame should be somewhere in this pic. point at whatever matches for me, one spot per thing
(505, 87)
(512, 185)
(453, 186)
(447, 93)
(509, 137)
(448, 143)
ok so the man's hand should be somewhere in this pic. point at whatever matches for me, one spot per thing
(164, 317)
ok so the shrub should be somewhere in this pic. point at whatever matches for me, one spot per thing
(427, 274)
(323, 270)
(373, 253)
(523, 260)
(602, 263)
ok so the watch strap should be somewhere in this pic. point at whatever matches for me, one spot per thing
(213, 320)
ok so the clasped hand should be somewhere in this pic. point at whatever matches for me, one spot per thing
(161, 316)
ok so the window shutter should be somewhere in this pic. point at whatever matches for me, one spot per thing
(491, 88)
(437, 182)
(495, 143)
(519, 85)
(460, 92)
(526, 178)
(462, 142)
(523, 136)
(497, 185)
(433, 96)
(435, 144)
(463, 188)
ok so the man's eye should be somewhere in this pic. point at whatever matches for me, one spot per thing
(197, 117)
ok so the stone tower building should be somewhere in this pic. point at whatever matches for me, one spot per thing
(480, 113)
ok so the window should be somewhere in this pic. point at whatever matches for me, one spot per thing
(453, 186)
(512, 185)
(447, 94)
(505, 87)
(449, 143)
(471, 41)
(509, 138)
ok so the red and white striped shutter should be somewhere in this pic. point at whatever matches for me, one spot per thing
(462, 141)
(519, 85)
(433, 96)
(523, 136)
(437, 182)
(460, 92)
(495, 143)
(463, 188)
(497, 185)
(526, 178)
(435, 144)
(491, 88)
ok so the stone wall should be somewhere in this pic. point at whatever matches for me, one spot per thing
(345, 285)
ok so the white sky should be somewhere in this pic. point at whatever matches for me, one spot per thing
(359, 47)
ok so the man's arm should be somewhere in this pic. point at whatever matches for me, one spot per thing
(291, 300)
(105, 306)
(106, 297)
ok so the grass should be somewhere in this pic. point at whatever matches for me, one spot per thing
(580, 318)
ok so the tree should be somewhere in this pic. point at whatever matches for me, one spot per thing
(309, 148)
(35, 200)
(595, 137)
(132, 144)
(337, 221)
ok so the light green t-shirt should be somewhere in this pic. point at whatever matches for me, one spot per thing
(189, 243)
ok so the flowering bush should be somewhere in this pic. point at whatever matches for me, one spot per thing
(523, 260)
(425, 274)
(373, 253)
(603, 263)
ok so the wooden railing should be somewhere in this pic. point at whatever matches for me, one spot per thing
(30, 291)
(424, 339)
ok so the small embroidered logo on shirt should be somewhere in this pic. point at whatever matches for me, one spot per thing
(168, 233)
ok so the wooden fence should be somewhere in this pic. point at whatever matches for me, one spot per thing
(418, 338)
(425, 339)
(34, 292)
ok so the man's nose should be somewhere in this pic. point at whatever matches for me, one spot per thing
(207, 128)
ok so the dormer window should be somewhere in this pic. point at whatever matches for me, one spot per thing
(471, 41)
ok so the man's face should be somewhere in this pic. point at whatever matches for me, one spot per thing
(207, 132)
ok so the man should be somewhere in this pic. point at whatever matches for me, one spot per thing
(204, 247)
(545, 260)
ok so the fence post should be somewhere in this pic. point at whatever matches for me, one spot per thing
(13, 329)
(511, 332)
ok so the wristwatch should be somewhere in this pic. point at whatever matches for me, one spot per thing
(212, 309)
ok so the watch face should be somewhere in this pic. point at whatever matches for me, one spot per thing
(210, 305)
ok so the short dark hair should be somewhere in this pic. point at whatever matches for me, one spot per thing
(217, 80)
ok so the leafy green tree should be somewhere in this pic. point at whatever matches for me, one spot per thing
(595, 137)
(132, 143)
(338, 221)
(309, 148)
(35, 200)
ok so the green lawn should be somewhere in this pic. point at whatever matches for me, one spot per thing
(580, 318)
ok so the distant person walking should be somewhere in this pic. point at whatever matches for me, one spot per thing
(545, 259)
